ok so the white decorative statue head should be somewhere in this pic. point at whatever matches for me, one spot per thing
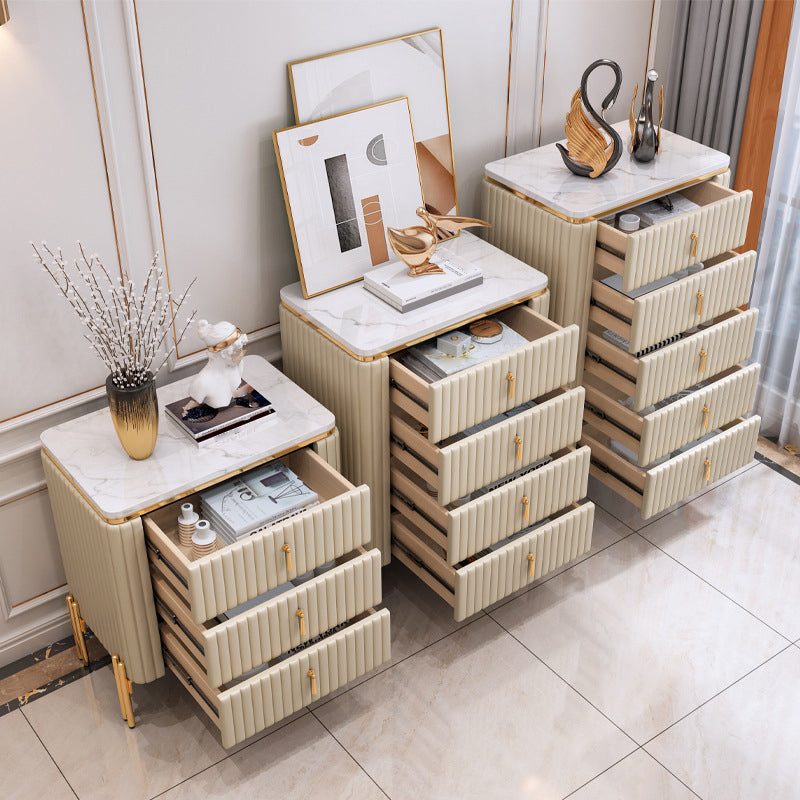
(216, 383)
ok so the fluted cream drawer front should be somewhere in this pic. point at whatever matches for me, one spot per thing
(723, 285)
(478, 393)
(670, 369)
(465, 530)
(280, 690)
(240, 572)
(659, 487)
(651, 253)
(254, 637)
(456, 469)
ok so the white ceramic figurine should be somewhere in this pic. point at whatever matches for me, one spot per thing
(216, 383)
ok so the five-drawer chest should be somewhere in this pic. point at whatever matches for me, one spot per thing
(662, 309)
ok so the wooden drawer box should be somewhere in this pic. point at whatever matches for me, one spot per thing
(256, 703)
(662, 373)
(472, 586)
(723, 285)
(456, 469)
(666, 429)
(239, 572)
(659, 250)
(464, 530)
(657, 488)
(478, 393)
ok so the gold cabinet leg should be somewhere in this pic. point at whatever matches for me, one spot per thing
(78, 629)
(124, 690)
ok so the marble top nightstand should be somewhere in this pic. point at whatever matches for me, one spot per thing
(541, 176)
(87, 451)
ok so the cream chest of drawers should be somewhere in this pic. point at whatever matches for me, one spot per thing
(153, 607)
(451, 462)
(666, 390)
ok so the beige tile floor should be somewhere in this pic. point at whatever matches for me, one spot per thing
(663, 665)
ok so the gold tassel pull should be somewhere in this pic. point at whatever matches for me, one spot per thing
(518, 443)
(705, 416)
(708, 470)
(313, 676)
(526, 514)
(530, 565)
(510, 379)
(703, 355)
(699, 303)
(694, 237)
(302, 622)
(288, 550)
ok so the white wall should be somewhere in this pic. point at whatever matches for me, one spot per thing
(148, 126)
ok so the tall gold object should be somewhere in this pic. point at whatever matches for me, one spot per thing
(415, 245)
(78, 630)
(134, 413)
(585, 143)
(124, 690)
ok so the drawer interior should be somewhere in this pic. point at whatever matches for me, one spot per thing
(161, 525)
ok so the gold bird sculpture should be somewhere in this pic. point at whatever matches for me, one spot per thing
(414, 246)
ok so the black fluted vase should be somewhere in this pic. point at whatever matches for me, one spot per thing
(134, 413)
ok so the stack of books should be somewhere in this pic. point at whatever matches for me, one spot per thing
(261, 497)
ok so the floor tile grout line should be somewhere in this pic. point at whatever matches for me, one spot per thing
(50, 755)
(716, 588)
(672, 773)
(501, 603)
(714, 696)
(355, 760)
(761, 458)
(565, 681)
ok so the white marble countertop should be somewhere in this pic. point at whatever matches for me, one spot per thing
(367, 326)
(541, 175)
(88, 451)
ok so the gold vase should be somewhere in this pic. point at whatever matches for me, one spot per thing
(134, 413)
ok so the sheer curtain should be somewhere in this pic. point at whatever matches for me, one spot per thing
(776, 291)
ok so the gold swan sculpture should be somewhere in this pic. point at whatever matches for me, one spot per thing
(415, 245)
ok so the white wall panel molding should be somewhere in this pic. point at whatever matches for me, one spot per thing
(9, 612)
(18, 639)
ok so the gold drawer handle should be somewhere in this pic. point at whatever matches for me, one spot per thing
(694, 238)
(530, 565)
(526, 514)
(705, 416)
(312, 675)
(518, 442)
(510, 379)
(288, 550)
(703, 356)
(708, 470)
(699, 303)
(302, 622)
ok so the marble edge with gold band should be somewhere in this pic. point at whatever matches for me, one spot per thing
(199, 487)
(410, 342)
(606, 212)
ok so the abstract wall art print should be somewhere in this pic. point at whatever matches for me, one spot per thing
(345, 179)
(412, 66)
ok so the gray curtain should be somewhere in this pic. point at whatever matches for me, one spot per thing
(713, 49)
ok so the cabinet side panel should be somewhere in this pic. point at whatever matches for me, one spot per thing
(107, 570)
(329, 448)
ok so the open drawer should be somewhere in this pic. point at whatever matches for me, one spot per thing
(651, 253)
(661, 486)
(257, 702)
(456, 468)
(463, 530)
(660, 432)
(696, 356)
(479, 582)
(723, 284)
(236, 573)
(473, 395)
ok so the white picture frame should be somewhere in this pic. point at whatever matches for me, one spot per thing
(410, 65)
(346, 178)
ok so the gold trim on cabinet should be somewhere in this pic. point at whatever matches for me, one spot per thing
(198, 488)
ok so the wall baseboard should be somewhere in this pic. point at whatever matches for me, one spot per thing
(55, 627)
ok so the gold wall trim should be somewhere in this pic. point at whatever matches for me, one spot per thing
(508, 90)
(23, 497)
(378, 356)
(544, 72)
(198, 488)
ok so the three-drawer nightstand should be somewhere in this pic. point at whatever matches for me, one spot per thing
(153, 607)
(666, 392)
(460, 492)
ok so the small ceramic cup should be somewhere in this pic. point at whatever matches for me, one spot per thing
(629, 222)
